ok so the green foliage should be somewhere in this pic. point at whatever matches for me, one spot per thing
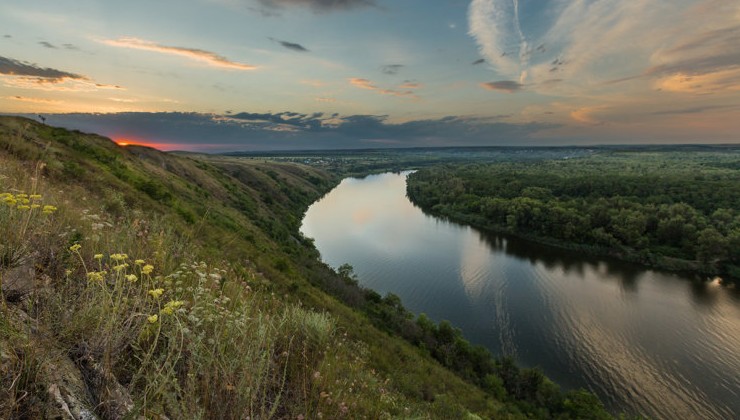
(675, 210)
(253, 336)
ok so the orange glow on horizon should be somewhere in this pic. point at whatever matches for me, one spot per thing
(128, 141)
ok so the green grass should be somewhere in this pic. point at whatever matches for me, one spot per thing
(226, 324)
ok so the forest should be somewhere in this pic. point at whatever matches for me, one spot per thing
(676, 209)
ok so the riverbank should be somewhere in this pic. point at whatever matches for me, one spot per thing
(599, 324)
(669, 211)
(649, 261)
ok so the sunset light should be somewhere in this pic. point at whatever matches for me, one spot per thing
(346, 209)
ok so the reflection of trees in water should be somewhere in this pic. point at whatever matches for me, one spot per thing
(703, 292)
(574, 263)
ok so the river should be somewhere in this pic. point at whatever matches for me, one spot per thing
(646, 342)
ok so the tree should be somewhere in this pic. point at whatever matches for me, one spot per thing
(711, 246)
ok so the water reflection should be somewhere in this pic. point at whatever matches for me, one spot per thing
(646, 341)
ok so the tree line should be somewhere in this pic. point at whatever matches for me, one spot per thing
(671, 210)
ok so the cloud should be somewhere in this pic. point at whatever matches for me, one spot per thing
(648, 43)
(314, 83)
(478, 61)
(319, 6)
(491, 24)
(587, 114)
(290, 45)
(508, 86)
(367, 84)
(391, 69)
(11, 67)
(299, 131)
(409, 84)
(32, 100)
(203, 56)
(693, 110)
(48, 45)
(24, 75)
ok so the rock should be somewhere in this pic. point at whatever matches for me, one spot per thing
(113, 398)
(18, 282)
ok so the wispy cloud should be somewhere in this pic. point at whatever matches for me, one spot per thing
(319, 6)
(32, 100)
(25, 75)
(290, 45)
(478, 61)
(508, 86)
(48, 45)
(694, 110)
(658, 44)
(410, 84)
(369, 85)
(9, 66)
(203, 56)
(391, 69)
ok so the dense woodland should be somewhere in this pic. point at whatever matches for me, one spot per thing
(677, 209)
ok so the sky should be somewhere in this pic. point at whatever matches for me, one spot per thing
(242, 75)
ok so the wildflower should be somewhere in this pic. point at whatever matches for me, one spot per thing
(171, 306)
(96, 276)
(152, 319)
(139, 262)
(23, 207)
(147, 269)
(48, 209)
(35, 196)
(67, 272)
(132, 278)
(156, 293)
(35, 206)
(118, 257)
(120, 267)
(75, 247)
(98, 256)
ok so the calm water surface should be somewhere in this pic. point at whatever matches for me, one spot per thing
(646, 342)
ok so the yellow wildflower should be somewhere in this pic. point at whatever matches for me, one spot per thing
(35, 206)
(118, 257)
(120, 267)
(171, 306)
(75, 247)
(49, 209)
(23, 207)
(147, 269)
(132, 278)
(35, 196)
(139, 262)
(152, 319)
(156, 293)
(98, 256)
(96, 276)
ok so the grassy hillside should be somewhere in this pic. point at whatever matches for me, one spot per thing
(139, 282)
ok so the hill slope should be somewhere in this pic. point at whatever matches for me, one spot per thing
(136, 281)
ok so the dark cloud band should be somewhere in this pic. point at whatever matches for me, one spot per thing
(13, 67)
